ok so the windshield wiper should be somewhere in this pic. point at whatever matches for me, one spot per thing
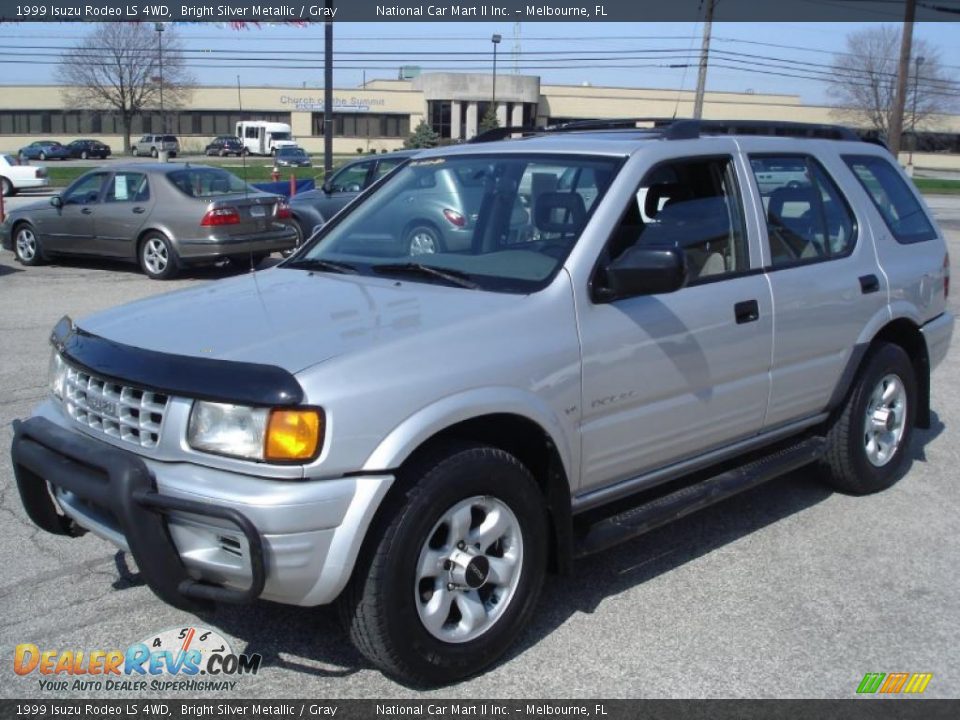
(451, 277)
(321, 264)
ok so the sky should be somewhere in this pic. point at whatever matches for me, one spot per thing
(640, 53)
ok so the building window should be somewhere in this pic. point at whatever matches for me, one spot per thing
(438, 116)
(364, 125)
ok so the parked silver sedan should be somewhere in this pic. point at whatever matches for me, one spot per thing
(160, 215)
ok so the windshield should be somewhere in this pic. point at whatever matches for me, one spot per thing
(205, 182)
(280, 135)
(296, 152)
(497, 223)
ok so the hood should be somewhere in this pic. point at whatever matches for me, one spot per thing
(284, 143)
(289, 318)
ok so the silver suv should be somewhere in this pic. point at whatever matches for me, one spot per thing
(152, 145)
(692, 310)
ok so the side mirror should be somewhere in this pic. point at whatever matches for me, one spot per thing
(56, 201)
(327, 186)
(644, 270)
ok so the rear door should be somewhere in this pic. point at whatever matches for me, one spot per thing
(127, 203)
(823, 272)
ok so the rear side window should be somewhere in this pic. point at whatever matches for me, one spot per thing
(204, 182)
(893, 198)
(808, 219)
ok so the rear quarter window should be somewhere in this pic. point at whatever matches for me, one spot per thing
(893, 198)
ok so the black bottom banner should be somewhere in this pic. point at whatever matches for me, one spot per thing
(863, 708)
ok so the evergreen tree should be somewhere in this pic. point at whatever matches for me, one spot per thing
(422, 137)
(489, 120)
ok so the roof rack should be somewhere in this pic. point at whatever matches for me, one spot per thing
(685, 129)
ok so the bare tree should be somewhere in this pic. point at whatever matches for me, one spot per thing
(865, 81)
(117, 67)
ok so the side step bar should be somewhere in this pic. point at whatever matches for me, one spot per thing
(674, 505)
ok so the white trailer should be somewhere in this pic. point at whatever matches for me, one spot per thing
(263, 138)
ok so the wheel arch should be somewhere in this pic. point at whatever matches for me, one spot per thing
(541, 451)
(905, 333)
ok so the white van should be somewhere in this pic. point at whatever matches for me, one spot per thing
(263, 138)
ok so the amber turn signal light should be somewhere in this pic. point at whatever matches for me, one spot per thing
(293, 435)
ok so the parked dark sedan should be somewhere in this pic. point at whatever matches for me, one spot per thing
(437, 213)
(225, 145)
(160, 215)
(45, 150)
(292, 157)
(313, 208)
(84, 149)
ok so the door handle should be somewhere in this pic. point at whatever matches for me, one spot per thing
(139, 210)
(746, 311)
(869, 284)
(87, 211)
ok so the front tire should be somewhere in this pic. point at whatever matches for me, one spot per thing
(868, 441)
(134, 152)
(26, 246)
(42, 156)
(84, 155)
(454, 572)
(158, 259)
(6, 188)
(153, 152)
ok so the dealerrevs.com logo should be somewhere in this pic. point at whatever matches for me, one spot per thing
(189, 659)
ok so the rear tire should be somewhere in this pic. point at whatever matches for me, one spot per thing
(26, 245)
(453, 573)
(84, 155)
(158, 259)
(868, 440)
(42, 156)
(134, 151)
(295, 224)
(153, 152)
(423, 239)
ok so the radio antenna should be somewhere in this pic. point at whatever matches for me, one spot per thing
(243, 147)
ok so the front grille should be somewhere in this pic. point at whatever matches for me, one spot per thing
(127, 413)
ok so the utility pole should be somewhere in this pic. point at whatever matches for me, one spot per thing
(704, 56)
(328, 93)
(903, 70)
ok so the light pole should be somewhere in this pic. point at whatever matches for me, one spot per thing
(159, 28)
(913, 117)
(496, 41)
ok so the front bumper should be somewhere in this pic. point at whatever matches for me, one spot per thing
(198, 533)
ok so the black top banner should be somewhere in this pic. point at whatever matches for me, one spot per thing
(272, 11)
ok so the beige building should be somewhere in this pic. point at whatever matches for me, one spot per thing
(380, 115)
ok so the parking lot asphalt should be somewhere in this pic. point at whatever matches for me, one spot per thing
(788, 590)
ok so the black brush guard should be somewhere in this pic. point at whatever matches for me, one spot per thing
(120, 483)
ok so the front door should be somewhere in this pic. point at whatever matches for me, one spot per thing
(71, 228)
(668, 377)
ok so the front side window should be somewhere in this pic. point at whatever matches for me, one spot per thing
(808, 219)
(693, 204)
(503, 223)
(892, 197)
(85, 190)
(351, 179)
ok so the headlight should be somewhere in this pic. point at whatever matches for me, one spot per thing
(274, 435)
(57, 374)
